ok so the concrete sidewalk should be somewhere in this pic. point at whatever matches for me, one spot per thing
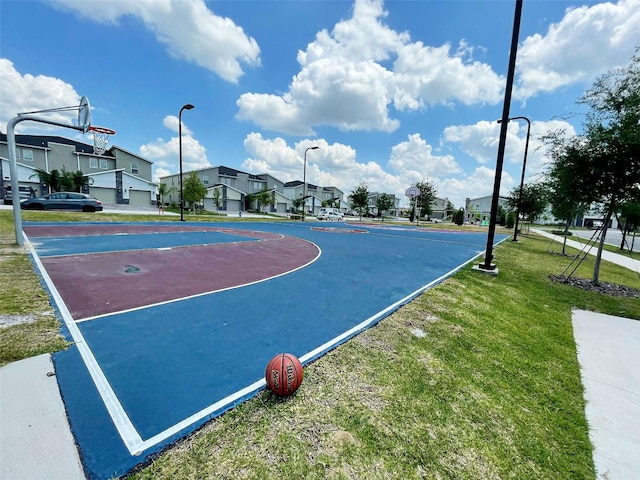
(35, 439)
(609, 355)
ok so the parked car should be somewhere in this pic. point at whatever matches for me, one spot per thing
(329, 214)
(63, 201)
(25, 192)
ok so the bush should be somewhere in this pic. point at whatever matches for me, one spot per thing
(458, 217)
(511, 220)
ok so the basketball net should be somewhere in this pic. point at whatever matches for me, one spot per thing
(100, 138)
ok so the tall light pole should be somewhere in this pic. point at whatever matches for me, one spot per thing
(188, 106)
(304, 181)
(487, 265)
(524, 165)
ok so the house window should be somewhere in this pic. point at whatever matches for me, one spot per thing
(228, 181)
(27, 155)
(17, 154)
(103, 164)
(257, 185)
(135, 169)
(93, 162)
(205, 179)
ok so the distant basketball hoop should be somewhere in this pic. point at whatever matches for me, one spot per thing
(100, 138)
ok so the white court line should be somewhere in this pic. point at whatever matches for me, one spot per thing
(127, 431)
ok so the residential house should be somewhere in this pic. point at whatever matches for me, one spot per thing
(115, 177)
(479, 209)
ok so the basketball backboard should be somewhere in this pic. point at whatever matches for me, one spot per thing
(84, 114)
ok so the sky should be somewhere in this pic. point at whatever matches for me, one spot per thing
(391, 92)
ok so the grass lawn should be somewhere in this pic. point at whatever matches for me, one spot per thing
(475, 379)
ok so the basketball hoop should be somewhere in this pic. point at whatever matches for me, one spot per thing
(100, 138)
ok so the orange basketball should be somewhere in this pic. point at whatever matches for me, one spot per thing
(284, 374)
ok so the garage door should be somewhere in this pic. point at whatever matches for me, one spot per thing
(139, 197)
(105, 195)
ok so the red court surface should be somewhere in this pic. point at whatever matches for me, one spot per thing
(103, 283)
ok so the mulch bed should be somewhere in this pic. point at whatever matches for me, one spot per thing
(602, 287)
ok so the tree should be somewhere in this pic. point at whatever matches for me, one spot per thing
(48, 179)
(563, 206)
(58, 181)
(217, 198)
(427, 195)
(297, 204)
(384, 202)
(163, 191)
(630, 220)
(449, 210)
(360, 198)
(264, 199)
(79, 180)
(193, 190)
(531, 203)
(603, 164)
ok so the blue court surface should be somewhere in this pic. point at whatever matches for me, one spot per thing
(138, 379)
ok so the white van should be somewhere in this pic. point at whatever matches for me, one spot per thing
(329, 214)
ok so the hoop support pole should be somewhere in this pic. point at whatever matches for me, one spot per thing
(13, 166)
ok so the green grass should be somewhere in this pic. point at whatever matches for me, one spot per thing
(490, 390)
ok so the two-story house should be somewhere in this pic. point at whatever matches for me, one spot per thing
(115, 177)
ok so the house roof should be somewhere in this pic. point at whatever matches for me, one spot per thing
(42, 141)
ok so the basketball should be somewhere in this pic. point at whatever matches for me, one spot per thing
(284, 374)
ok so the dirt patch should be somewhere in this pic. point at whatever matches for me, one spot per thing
(11, 320)
(611, 289)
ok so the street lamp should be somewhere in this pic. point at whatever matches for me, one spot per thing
(524, 165)
(304, 181)
(188, 106)
(487, 266)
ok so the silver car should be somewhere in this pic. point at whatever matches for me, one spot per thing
(63, 201)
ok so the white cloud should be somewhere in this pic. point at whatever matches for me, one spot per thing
(587, 42)
(172, 123)
(343, 81)
(166, 153)
(480, 141)
(415, 158)
(432, 75)
(159, 172)
(189, 30)
(25, 93)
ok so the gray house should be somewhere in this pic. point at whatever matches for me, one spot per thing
(115, 177)
(233, 185)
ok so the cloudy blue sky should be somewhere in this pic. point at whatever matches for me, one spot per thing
(391, 92)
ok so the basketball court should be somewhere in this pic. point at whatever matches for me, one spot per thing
(174, 323)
